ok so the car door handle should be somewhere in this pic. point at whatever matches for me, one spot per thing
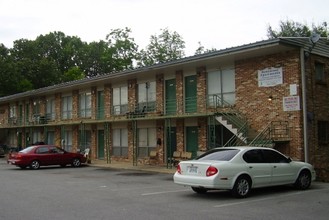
(250, 167)
(274, 166)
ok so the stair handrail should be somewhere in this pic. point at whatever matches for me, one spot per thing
(218, 101)
(264, 136)
(233, 116)
(234, 140)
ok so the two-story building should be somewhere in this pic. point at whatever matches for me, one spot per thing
(272, 93)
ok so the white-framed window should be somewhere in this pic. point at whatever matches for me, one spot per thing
(36, 137)
(12, 111)
(50, 109)
(120, 142)
(84, 140)
(85, 105)
(146, 141)
(120, 100)
(67, 141)
(51, 137)
(12, 115)
(147, 96)
(67, 107)
(221, 87)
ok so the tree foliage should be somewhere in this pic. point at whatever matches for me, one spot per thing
(123, 49)
(9, 77)
(290, 28)
(56, 58)
(163, 47)
(201, 49)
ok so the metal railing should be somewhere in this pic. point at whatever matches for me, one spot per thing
(239, 122)
(215, 100)
(275, 131)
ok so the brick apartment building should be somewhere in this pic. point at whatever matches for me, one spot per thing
(272, 93)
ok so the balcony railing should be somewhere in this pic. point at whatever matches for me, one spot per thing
(214, 103)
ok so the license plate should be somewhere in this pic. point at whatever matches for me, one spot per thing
(192, 169)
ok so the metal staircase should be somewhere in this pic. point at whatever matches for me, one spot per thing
(263, 138)
(235, 123)
(274, 132)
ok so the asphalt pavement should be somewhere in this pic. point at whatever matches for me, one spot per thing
(130, 166)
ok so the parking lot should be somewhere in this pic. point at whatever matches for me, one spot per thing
(92, 192)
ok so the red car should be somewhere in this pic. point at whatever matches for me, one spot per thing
(45, 155)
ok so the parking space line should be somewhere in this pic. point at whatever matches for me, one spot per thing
(258, 200)
(164, 192)
(135, 188)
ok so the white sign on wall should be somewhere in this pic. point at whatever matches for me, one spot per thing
(270, 77)
(293, 89)
(291, 103)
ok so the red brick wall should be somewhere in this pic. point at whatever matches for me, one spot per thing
(179, 92)
(159, 93)
(107, 100)
(318, 108)
(253, 102)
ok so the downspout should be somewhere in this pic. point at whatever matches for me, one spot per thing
(302, 62)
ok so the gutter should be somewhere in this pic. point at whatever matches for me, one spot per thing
(302, 63)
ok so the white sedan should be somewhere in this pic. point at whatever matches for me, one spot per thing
(239, 169)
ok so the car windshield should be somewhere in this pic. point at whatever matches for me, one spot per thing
(219, 154)
(26, 150)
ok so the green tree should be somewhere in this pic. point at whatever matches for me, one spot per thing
(9, 78)
(60, 52)
(290, 28)
(201, 49)
(74, 73)
(164, 47)
(96, 59)
(25, 57)
(123, 47)
(44, 61)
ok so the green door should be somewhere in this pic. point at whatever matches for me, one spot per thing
(190, 94)
(171, 96)
(100, 105)
(192, 140)
(171, 141)
(100, 144)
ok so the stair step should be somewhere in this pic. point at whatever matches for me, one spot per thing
(229, 126)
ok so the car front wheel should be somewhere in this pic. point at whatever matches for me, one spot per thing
(304, 180)
(76, 162)
(241, 187)
(35, 165)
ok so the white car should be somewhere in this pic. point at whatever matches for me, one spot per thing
(239, 169)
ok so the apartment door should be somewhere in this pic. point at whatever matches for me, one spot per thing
(192, 140)
(190, 94)
(171, 96)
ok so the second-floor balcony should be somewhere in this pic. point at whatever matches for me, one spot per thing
(170, 107)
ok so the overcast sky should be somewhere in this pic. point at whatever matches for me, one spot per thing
(215, 23)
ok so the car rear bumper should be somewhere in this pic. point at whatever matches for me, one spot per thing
(16, 162)
(204, 182)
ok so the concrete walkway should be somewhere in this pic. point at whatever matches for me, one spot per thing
(130, 166)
